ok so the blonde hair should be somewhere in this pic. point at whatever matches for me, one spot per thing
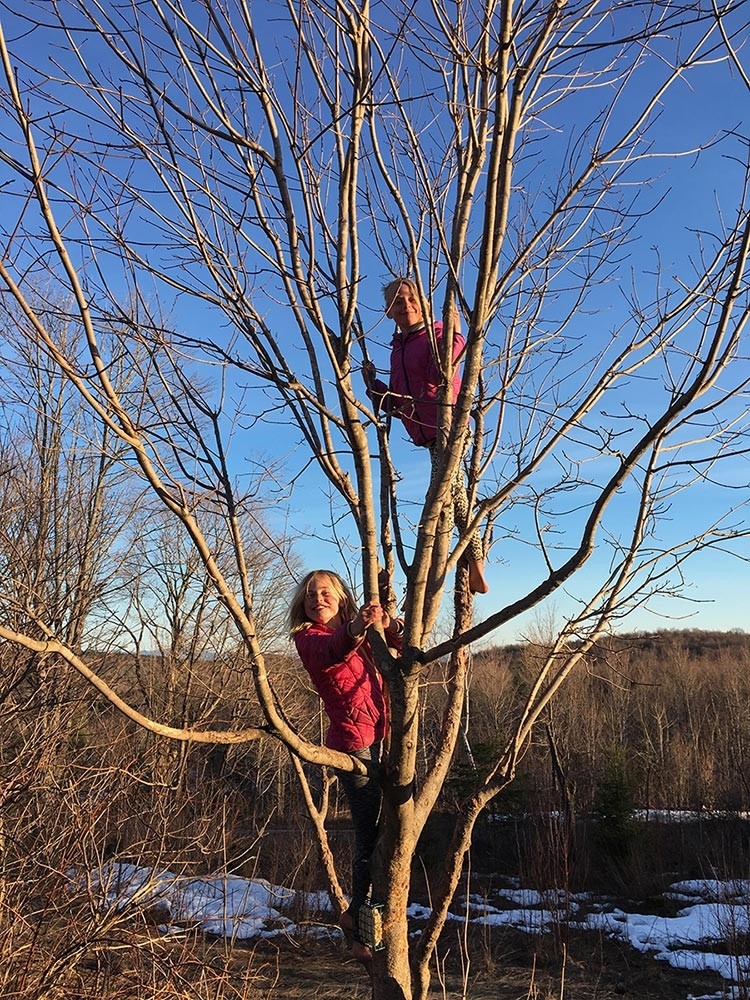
(298, 619)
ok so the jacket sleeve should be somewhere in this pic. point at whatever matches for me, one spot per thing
(394, 634)
(459, 341)
(376, 390)
(321, 650)
(385, 400)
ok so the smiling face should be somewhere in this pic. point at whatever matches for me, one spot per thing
(402, 306)
(323, 601)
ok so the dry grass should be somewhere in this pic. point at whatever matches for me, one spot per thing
(78, 788)
(506, 967)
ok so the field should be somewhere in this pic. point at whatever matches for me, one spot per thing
(84, 790)
(505, 965)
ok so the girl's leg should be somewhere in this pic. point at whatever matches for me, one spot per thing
(475, 549)
(458, 513)
(364, 796)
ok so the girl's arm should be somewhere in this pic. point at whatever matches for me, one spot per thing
(374, 613)
(375, 388)
(459, 341)
(395, 633)
(381, 395)
(320, 649)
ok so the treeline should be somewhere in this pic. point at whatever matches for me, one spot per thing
(661, 718)
(666, 711)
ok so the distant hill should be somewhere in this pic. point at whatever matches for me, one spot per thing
(697, 643)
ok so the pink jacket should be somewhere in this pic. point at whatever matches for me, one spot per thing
(349, 686)
(413, 391)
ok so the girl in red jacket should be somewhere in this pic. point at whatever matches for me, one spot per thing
(330, 634)
(412, 396)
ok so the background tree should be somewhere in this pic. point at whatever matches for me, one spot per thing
(506, 155)
(64, 497)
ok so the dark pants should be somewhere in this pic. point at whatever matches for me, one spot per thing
(364, 795)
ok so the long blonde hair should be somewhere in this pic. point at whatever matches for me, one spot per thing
(297, 617)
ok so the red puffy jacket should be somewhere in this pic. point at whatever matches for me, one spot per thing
(413, 391)
(351, 689)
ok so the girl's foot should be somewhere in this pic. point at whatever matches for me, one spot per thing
(359, 951)
(346, 923)
(362, 953)
(477, 582)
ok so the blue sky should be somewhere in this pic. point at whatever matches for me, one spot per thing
(679, 196)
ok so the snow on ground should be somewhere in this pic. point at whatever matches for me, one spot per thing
(224, 905)
(695, 938)
(688, 939)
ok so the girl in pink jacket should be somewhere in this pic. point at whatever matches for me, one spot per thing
(412, 396)
(330, 634)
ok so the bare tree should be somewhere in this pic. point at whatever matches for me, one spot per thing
(507, 156)
(63, 494)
